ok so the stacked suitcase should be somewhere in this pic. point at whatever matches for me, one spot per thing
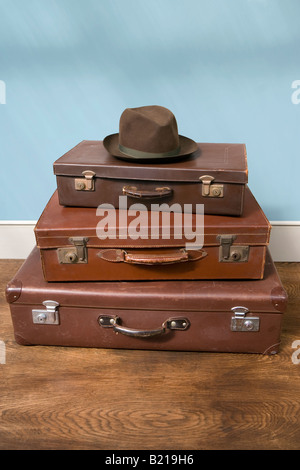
(125, 258)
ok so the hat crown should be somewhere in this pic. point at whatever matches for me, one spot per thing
(150, 129)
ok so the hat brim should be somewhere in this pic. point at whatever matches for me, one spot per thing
(187, 148)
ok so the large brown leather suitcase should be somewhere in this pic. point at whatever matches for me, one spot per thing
(228, 316)
(214, 176)
(234, 247)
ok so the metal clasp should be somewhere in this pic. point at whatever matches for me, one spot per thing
(241, 322)
(87, 183)
(49, 316)
(75, 254)
(229, 253)
(210, 190)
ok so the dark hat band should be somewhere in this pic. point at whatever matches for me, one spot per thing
(139, 154)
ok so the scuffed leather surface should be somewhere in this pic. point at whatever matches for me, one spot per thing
(147, 305)
(226, 162)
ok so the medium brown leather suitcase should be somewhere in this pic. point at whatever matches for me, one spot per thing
(234, 247)
(228, 316)
(214, 176)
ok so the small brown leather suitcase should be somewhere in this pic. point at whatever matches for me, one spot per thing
(71, 250)
(214, 176)
(224, 316)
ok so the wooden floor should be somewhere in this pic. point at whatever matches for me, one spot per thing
(71, 398)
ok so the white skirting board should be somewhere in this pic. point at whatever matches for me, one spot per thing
(17, 239)
(285, 241)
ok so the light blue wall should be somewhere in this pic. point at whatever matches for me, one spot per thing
(225, 68)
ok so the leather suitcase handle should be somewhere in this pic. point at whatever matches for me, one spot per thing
(149, 259)
(109, 321)
(179, 256)
(133, 191)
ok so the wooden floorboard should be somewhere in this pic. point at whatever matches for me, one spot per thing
(72, 398)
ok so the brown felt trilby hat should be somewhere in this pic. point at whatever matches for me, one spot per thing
(148, 133)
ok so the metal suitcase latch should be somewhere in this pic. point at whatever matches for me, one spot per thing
(231, 253)
(49, 316)
(76, 254)
(87, 183)
(241, 322)
(211, 190)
